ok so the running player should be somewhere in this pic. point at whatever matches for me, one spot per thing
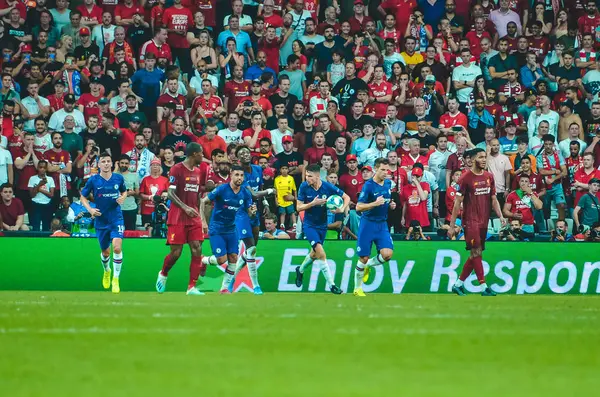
(477, 195)
(373, 202)
(185, 221)
(312, 196)
(229, 199)
(247, 227)
(109, 193)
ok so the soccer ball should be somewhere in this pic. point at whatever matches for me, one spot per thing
(334, 202)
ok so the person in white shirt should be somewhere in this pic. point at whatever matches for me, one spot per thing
(463, 77)
(35, 106)
(232, 134)
(565, 145)
(428, 177)
(140, 157)
(499, 165)
(41, 188)
(43, 139)
(437, 166)
(237, 6)
(104, 34)
(277, 134)
(6, 167)
(368, 156)
(536, 144)
(57, 119)
(543, 113)
(318, 103)
(299, 15)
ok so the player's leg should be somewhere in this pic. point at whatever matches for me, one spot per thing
(168, 262)
(477, 260)
(231, 259)
(117, 245)
(104, 241)
(363, 248)
(321, 262)
(248, 257)
(224, 247)
(471, 239)
(196, 267)
(313, 236)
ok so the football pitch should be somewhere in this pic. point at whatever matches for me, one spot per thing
(144, 344)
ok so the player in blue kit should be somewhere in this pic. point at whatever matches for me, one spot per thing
(248, 227)
(374, 201)
(312, 196)
(109, 193)
(229, 199)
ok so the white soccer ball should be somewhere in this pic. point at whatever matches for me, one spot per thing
(334, 202)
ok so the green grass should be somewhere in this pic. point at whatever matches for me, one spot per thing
(144, 344)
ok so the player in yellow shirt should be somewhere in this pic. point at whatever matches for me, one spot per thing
(286, 194)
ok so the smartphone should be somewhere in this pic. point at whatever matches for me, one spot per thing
(28, 58)
(456, 128)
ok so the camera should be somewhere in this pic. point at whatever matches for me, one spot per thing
(248, 103)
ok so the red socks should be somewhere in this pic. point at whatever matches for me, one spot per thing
(196, 269)
(167, 265)
(478, 266)
(467, 269)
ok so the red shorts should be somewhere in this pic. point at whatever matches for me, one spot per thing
(475, 237)
(183, 234)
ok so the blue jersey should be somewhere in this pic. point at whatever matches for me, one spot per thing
(316, 217)
(371, 190)
(105, 193)
(252, 180)
(227, 205)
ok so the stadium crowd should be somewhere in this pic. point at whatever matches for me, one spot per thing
(340, 83)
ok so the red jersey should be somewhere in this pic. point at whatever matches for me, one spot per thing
(160, 51)
(208, 145)
(477, 191)
(539, 47)
(588, 24)
(399, 177)
(249, 132)
(324, 25)
(352, 185)
(449, 121)
(90, 15)
(378, 91)
(127, 140)
(583, 177)
(56, 103)
(393, 34)
(313, 155)
(152, 187)
(179, 19)
(511, 90)
(408, 161)
(271, 50)
(26, 172)
(495, 110)
(505, 117)
(109, 5)
(455, 162)
(217, 178)
(475, 40)
(521, 205)
(401, 8)
(262, 102)
(128, 12)
(178, 100)
(449, 199)
(235, 92)
(209, 9)
(416, 209)
(56, 158)
(187, 187)
(208, 105)
(90, 105)
(157, 15)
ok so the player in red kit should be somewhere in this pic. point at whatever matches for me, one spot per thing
(185, 222)
(477, 195)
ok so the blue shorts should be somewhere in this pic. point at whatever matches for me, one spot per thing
(370, 232)
(243, 227)
(556, 193)
(223, 244)
(289, 210)
(314, 235)
(106, 236)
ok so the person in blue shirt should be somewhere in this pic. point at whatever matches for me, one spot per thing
(146, 83)
(109, 193)
(248, 227)
(312, 197)
(242, 39)
(255, 71)
(374, 201)
(229, 200)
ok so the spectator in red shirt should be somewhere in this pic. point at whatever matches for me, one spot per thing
(211, 141)
(177, 19)
(157, 46)
(204, 106)
(25, 160)
(259, 100)
(236, 89)
(359, 19)
(520, 204)
(91, 14)
(152, 186)
(88, 102)
(12, 212)
(413, 156)
(414, 197)
(124, 13)
(172, 96)
(589, 22)
(256, 132)
(351, 182)
(313, 154)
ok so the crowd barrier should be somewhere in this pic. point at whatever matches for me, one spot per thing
(416, 267)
